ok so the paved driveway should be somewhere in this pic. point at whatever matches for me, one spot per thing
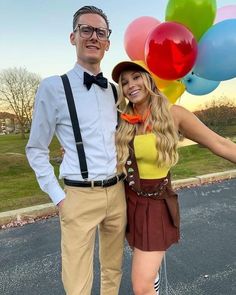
(203, 263)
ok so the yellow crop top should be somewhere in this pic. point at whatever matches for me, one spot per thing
(146, 155)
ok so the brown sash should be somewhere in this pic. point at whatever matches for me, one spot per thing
(162, 188)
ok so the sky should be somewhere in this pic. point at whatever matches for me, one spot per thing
(35, 35)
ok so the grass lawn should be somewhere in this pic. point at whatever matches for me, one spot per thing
(195, 160)
(19, 188)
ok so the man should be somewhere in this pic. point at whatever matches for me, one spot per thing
(92, 198)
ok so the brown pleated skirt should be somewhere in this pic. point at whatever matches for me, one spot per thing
(150, 226)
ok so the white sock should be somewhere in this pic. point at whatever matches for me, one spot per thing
(157, 283)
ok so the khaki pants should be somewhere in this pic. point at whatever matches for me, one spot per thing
(83, 210)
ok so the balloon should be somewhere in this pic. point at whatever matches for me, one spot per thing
(198, 86)
(159, 82)
(216, 52)
(170, 51)
(225, 12)
(173, 91)
(197, 15)
(136, 35)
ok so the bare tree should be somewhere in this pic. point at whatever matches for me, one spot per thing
(218, 113)
(17, 91)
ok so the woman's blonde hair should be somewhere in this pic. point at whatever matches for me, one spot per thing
(160, 119)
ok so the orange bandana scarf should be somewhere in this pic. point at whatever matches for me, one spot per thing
(132, 119)
(136, 118)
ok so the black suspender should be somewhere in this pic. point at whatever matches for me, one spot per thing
(75, 126)
(116, 98)
(114, 91)
(75, 123)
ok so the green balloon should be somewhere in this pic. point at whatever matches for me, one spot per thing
(197, 15)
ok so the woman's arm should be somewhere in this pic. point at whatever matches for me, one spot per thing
(192, 128)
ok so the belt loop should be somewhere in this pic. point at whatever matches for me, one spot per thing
(117, 178)
(102, 183)
(92, 184)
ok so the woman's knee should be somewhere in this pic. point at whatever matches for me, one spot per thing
(141, 287)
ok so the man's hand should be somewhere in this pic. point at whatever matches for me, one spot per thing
(62, 150)
(60, 204)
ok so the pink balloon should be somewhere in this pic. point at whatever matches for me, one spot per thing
(136, 35)
(225, 12)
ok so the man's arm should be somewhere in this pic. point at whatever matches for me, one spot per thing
(42, 131)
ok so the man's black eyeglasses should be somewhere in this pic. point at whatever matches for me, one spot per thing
(86, 31)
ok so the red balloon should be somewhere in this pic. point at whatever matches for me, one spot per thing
(136, 35)
(170, 51)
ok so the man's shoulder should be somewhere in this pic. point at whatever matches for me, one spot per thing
(50, 87)
(51, 81)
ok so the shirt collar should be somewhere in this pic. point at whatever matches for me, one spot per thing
(79, 70)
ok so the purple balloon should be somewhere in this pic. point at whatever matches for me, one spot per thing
(225, 12)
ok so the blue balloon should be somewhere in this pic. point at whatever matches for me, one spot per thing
(216, 58)
(198, 86)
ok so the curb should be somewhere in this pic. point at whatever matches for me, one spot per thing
(203, 179)
(22, 216)
(30, 214)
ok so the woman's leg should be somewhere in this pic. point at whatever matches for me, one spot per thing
(145, 265)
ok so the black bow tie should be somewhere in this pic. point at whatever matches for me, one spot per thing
(99, 80)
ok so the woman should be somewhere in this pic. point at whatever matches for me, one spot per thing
(147, 139)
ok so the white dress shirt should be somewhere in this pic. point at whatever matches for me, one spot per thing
(97, 116)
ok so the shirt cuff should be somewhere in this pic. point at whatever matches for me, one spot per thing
(55, 192)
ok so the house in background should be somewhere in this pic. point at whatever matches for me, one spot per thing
(8, 123)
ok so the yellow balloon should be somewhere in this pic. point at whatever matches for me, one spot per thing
(159, 82)
(173, 91)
